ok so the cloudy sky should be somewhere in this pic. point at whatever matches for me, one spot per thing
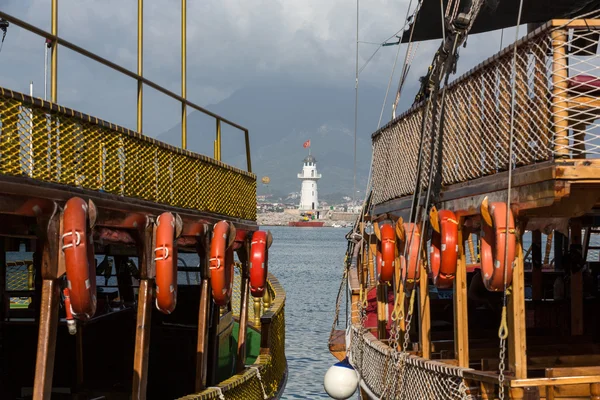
(231, 44)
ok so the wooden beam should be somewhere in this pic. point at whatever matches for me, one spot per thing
(203, 312)
(425, 313)
(517, 343)
(381, 311)
(48, 320)
(576, 283)
(144, 314)
(46, 348)
(243, 323)
(536, 273)
(461, 319)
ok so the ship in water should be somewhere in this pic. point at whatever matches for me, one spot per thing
(143, 273)
(473, 271)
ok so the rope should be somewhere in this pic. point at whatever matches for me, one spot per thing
(387, 90)
(504, 335)
(262, 386)
(219, 390)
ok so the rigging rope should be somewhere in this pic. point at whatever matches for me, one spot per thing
(504, 335)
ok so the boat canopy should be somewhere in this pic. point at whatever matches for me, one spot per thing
(498, 14)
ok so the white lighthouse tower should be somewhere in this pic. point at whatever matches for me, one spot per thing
(309, 199)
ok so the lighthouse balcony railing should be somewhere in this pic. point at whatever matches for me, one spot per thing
(301, 175)
(556, 112)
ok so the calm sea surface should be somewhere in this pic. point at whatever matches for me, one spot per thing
(309, 264)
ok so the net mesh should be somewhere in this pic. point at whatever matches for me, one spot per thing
(53, 144)
(395, 375)
(557, 100)
(19, 277)
(271, 366)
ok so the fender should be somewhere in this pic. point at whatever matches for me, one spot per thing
(493, 245)
(165, 256)
(444, 249)
(259, 262)
(388, 253)
(78, 250)
(410, 268)
(221, 262)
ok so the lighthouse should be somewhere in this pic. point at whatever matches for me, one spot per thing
(309, 199)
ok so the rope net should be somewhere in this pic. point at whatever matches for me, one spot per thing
(54, 144)
(557, 113)
(398, 375)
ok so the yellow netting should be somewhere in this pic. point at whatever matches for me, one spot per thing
(272, 367)
(19, 277)
(53, 144)
(556, 114)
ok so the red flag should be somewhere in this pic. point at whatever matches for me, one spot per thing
(306, 144)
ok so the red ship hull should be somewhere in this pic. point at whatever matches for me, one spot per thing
(307, 223)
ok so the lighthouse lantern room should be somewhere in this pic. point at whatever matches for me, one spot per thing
(309, 199)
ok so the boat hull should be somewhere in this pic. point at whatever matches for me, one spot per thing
(316, 224)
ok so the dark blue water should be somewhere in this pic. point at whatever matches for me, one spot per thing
(309, 264)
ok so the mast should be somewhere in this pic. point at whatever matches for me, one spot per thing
(355, 105)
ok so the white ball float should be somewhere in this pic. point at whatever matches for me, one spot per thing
(341, 380)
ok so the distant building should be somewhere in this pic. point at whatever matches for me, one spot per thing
(309, 198)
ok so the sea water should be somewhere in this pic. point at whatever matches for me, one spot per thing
(309, 264)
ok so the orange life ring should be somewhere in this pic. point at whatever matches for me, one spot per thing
(410, 270)
(165, 256)
(259, 263)
(378, 260)
(492, 247)
(444, 250)
(221, 264)
(388, 253)
(78, 248)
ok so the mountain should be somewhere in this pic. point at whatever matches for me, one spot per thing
(280, 119)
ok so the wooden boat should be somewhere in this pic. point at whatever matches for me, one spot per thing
(152, 304)
(473, 270)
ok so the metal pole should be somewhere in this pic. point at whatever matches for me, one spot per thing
(218, 141)
(248, 158)
(45, 71)
(183, 73)
(140, 68)
(355, 106)
(54, 55)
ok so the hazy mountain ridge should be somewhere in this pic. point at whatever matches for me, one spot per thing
(280, 119)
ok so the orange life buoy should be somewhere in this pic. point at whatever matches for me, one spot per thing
(410, 270)
(78, 248)
(221, 264)
(493, 247)
(388, 253)
(259, 262)
(444, 250)
(165, 256)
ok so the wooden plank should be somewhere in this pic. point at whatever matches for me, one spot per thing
(425, 313)
(46, 347)
(461, 321)
(144, 314)
(381, 311)
(560, 75)
(536, 273)
(245, 293)
(576, 284)
(517, 341)
(576, 23)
